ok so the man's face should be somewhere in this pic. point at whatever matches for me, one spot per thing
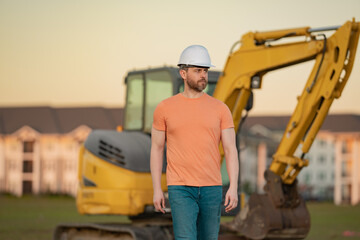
(196, 78)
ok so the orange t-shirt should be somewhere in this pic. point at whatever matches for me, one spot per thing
(193, 131)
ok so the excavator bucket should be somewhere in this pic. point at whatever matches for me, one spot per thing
(260, 219)
(266, 218)
(263, 220)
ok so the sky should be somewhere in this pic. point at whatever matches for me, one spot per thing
(77, 53)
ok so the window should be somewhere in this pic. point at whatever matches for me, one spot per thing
(322, 143)
(158, 87)
(307, 178)
(27, 187)
(135, 101)
(344, 172)
(28, 146)
(27, 166)
(270, 152)
(210, 88)
(321, 176)
(344, 147)
(321, 159)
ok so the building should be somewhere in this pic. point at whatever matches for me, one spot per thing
(39, 146)
(334, 158)
(39, 151)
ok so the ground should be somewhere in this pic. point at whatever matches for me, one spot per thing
(35, 217)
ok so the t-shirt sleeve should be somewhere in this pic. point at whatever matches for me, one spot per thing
(226, 118)
(159, 122)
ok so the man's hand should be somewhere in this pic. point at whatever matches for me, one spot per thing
(231, 199)
(159, 201)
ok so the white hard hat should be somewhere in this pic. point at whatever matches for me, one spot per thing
(195, 55)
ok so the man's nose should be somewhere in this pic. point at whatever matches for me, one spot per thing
(203, 73)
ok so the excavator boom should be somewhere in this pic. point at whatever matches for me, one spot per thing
(281, 212)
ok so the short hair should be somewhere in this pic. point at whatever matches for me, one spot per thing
(183, 67)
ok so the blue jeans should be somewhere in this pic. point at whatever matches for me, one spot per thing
(195, 211)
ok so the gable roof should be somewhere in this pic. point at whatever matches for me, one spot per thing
(94, 117)
(40, 119)
(333, 123)
(63, 120)
(58, 120)
(342, 123)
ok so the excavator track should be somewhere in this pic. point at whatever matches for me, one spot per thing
(107, 231)
(111, 231)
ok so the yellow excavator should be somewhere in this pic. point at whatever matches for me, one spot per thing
(114, 169)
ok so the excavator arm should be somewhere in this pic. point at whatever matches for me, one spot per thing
(281, 213)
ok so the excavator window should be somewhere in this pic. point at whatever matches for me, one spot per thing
(159, 86)
(145, 90)
(134, 102)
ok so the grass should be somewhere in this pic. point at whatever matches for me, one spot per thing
(33, 218)
(333, 222)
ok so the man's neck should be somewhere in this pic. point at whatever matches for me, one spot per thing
(192, 94)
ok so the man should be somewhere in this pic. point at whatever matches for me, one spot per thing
(192, 123)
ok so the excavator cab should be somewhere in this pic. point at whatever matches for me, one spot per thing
(147, 88)
(114, 167)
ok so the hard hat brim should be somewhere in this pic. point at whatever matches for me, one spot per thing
(193, 65)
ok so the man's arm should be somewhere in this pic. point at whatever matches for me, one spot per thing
(156, 164)
(232, 166)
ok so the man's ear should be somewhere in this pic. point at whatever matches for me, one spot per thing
(182, 73)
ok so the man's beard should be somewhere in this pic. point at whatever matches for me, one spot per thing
(198, 86)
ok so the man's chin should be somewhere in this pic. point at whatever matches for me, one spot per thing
(202, 86)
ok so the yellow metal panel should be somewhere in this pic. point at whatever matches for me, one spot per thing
(117, 190)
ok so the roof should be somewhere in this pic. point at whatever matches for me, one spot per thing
(58, 120)
(63, 120)
(342, 123)
(39, 118)
(94, 117)
(333, 123)
(275, 123)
